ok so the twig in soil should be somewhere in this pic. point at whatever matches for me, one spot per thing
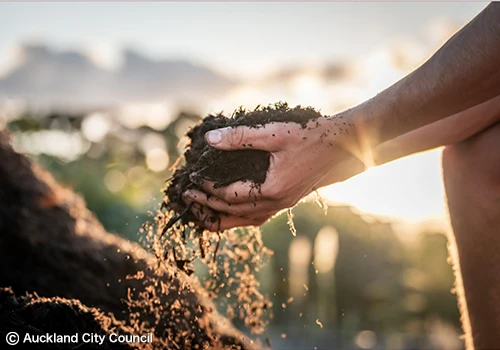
(182, 264)
(174, 219)
(201, 243)
(217, 244)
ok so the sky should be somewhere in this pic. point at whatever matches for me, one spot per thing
(236, 38)
(250, 40)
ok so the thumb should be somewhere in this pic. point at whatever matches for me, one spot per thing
(262, 137)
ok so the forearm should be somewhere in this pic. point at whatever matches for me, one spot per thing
(463, 73)
(451, 130)
(447, 131)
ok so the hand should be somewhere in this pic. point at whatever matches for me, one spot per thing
(299, 159)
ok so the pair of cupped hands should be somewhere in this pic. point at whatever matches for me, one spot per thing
(302, 159)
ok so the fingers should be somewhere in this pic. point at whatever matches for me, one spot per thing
(211, 202)
(247, 210)
(264, 137)
(219, 222)
(238, 192)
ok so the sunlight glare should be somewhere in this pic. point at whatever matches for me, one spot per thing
(326, 247)
(409, 188)
(155, 115)
(299, 255)
(95, 126)
(157, 159)
(105, 55)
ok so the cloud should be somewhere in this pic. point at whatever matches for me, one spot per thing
(71, 80)
(329, 71)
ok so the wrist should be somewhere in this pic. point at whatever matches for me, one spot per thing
(352, 134)
(335, 138)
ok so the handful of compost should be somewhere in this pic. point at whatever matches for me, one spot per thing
(203, 162)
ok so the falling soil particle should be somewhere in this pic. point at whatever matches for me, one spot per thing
(88, 278)
(233, 257)
(41, 316)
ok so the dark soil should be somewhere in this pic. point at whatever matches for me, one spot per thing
(226, 167)
(233, 257)
(38, 316)
(52, 245)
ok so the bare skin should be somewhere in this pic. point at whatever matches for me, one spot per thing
(452, 100)
(462, 74)
(447, 131)
(471, 172)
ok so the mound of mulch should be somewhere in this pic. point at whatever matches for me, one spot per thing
(52, 245)
(36, 316)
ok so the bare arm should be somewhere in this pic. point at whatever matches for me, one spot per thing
(463, 73)
(451, 130)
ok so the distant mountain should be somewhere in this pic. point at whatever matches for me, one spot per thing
(70, 80)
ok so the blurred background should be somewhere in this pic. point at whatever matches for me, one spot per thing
(101, 94)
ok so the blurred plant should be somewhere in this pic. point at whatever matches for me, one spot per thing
(376, 285)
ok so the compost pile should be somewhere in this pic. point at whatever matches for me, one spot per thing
(52, 246)
(39, 316)
(95, 282)
(229, 260)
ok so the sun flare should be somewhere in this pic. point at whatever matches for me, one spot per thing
(409, 189)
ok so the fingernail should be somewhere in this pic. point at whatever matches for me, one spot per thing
(213, 137)
(188, 194)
